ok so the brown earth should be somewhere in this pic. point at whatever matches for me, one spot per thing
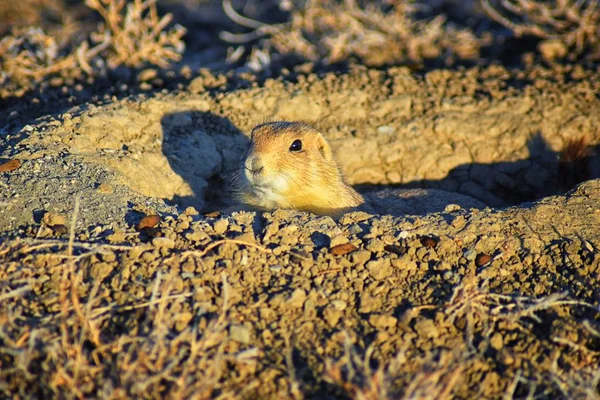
(466, 303)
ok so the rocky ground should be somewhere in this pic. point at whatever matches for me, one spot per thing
(431, 302)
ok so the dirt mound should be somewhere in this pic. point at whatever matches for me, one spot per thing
(463, 302)
(472, 132)
(288, 305)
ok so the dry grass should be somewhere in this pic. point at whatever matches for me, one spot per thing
(77, 353)
(433, 379)
(70, 355)
(132, 34)
(85, 342)
(439, 376)
(376, 33)
(575, 23)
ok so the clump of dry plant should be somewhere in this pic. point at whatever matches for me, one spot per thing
(132, 34)
(77, 353)
(355, 376)
(575, 23)
(136, 33)
(431, 379)
(376, 32)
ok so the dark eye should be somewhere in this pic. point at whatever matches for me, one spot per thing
(296, 146)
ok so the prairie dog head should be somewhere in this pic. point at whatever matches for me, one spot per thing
(290, 165)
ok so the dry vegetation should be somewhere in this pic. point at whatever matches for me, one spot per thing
(375, 32)
(132, 34)
(80, 348)
(483, 315)
(574, 23)
(53, 39)
(64, 334)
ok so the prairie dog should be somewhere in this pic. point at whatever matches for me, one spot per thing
(290, 165)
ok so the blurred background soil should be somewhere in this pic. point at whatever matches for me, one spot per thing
(123, 122)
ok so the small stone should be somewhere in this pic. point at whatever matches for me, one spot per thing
(275, 268)
(368, 303)
(398, 250)
(100, 270)
(240, 333)
(469, 254)
(339, 304)
(360, 257)
(221, 226)
(247, 237)
(355, 229)
(297, 299)
(383, 321)
(380, 269)
(451, 208)
(338, 240)
(342, 249)
(385, 130)
(197, 85)
(105, 188)
(496, 341)
(149, 221)
(404, 263)
(51, 219)
(482, 259)
(191, 211)
(426, 328)
(163, 242)
(10, 165)
(117, 237)
(506, 358)
(459, 222)
(332, 316)
(298, 256)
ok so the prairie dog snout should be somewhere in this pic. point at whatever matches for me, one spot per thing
(290, 165)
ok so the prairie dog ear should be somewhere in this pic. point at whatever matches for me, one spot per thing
(324, 148)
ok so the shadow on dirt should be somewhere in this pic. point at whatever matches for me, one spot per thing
(206, 151)
(504, 184)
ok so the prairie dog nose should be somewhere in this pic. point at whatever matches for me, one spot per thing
(253, 165)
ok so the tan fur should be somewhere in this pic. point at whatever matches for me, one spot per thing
(309, 180)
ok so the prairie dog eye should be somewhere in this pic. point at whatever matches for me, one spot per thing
(296, 145)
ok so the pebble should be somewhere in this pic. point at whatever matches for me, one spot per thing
(297, 299)
(163, 242)
(383, 321)
(221, 226)
(497, 341)
(380, 269)
(338, 240)
(332, 316)
(404, 263)
(339, 304)
(425, 327)
(469, 254)
(240, 333)
(342, 249)
(105, 188)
